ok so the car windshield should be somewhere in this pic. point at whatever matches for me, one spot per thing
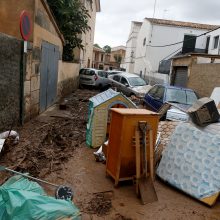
(180, 96)
(136, 81)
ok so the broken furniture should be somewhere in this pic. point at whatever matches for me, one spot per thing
(191, 163)
(204, 112)
(99, 106)
(120, 164)
(144, 173)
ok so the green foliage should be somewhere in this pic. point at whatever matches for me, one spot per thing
(96, 45)
(107, 49)
(72, 19)
(118, 58)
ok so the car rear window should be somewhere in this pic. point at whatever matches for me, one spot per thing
(191, 97)
(102, 74)
(89, 72)
(180, 96)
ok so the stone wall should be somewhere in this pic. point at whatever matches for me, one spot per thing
(204, 78)
(10, 57)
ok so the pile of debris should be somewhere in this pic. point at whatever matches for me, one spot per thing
(47, 142)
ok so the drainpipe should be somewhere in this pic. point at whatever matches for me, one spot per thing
(22, 71)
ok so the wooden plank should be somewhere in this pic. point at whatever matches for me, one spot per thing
(151, 156)
(138, 157)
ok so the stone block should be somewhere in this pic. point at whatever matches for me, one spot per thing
(35, 97)
(35, 83)
(27, 88)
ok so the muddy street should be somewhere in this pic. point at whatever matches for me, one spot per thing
(52, 147)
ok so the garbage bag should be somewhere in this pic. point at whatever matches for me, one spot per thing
(24, 199)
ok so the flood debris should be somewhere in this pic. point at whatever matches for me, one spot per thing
(32, 202)
(8, 137)
(190, 163)
(47, 143)
(100, 204)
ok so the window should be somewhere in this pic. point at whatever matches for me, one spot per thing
(159, 94)
(116, 78)
(102, 56)
(189, 43)
(124, 81)
(100, 73)
(176, 96)
(89, 72)
(153, 91)
(144, 41)
(136, 81)
(215, 43)
(190, 97)
(82, 71)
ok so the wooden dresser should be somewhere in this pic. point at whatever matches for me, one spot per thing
(120, 164)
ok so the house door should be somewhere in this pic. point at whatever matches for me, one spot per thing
(48, 75)
(189, 44)
(181, 77)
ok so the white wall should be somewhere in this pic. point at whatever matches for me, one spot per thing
(131, 47)
(148, 58)
(211, 43)
(142, 61)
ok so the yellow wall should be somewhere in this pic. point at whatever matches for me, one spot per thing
(10, 11)
(68, 77)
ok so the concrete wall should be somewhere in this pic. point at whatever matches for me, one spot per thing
(10, 56)
(10, 11)
(204, 78)
(68, 78)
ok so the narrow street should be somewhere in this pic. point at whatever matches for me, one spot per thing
(52, 147)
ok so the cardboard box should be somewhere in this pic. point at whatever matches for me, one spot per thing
(204, 112)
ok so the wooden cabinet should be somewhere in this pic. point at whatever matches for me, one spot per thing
(120, 164)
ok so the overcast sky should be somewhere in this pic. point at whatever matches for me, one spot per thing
(114, 21)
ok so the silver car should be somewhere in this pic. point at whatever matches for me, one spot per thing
(93, 77)
(129, 84)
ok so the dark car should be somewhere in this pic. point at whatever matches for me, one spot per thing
(159, 94)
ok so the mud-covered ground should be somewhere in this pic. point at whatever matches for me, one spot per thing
(52, 147)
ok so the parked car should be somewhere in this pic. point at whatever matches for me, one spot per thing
(93, 77)
(159, 94)
(113, 72)
(129, 84)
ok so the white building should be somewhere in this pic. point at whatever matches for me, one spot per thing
(213, 42)
(85, 56)
(159, 32)
(131, 46)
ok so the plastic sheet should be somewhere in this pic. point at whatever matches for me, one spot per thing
(24, 199)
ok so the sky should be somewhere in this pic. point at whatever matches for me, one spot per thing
(114, 21)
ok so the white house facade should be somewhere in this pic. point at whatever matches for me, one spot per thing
(152, 39)
(131, 46)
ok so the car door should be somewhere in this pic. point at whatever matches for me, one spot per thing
(159, 97)
(155, 96)
(116, 82)
(125, 86)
